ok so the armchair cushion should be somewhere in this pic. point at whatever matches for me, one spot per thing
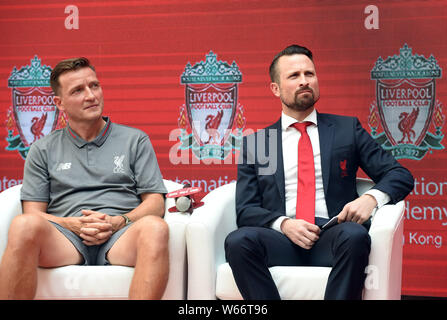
(312, 282)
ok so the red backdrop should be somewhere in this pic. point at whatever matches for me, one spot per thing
(141, 49)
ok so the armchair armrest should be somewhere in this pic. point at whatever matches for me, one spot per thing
(205, 236)
(385, 260)
(10, 206)
(176, 286)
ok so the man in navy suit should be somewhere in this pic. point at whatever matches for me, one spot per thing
(269, 234)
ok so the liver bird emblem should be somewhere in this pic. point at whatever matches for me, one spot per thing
(37, 126)
(212, 124)
(343, 167)
(406, 125)
(118, 161)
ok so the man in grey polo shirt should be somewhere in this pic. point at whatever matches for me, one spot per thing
(92, 194)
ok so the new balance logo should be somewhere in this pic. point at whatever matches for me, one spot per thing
(63, 166)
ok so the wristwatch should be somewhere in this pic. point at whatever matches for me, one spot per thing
(127, 221)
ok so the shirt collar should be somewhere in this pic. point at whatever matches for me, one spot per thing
(98, 141)
(287, 121)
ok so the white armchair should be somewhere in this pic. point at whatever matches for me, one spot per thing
(210, 277)
(101, 282)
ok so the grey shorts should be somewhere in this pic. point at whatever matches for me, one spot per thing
(93, 255)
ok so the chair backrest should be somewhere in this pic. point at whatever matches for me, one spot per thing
(10, 206)
(10, 199)
(170, 186)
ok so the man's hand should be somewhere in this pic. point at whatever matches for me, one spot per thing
(96, 228)
(300, 232)
(358, 210)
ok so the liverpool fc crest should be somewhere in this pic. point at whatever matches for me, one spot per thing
(211, 109)
(406, 106)
(33, 112)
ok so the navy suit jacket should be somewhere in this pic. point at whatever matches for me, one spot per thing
(345, 146)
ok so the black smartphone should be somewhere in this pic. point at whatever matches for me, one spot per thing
(330, 223)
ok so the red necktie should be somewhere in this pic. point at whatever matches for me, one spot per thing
(305, 200)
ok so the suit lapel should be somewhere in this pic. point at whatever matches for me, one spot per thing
(279, 172)
(326, 135)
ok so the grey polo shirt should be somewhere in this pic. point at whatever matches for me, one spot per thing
(107, 174)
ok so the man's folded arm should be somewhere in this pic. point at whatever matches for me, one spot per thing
(389, 175)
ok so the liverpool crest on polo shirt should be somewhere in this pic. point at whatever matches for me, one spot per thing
(33, 113)
(406, 108)
(211, 119)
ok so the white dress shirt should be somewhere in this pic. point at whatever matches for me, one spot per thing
(290, 138)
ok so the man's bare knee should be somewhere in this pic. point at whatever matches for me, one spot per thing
(31, 234)
(154, 225)
(26, 230)
(153, 231)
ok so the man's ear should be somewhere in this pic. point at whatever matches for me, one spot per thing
(275, 88)
(58, 102)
